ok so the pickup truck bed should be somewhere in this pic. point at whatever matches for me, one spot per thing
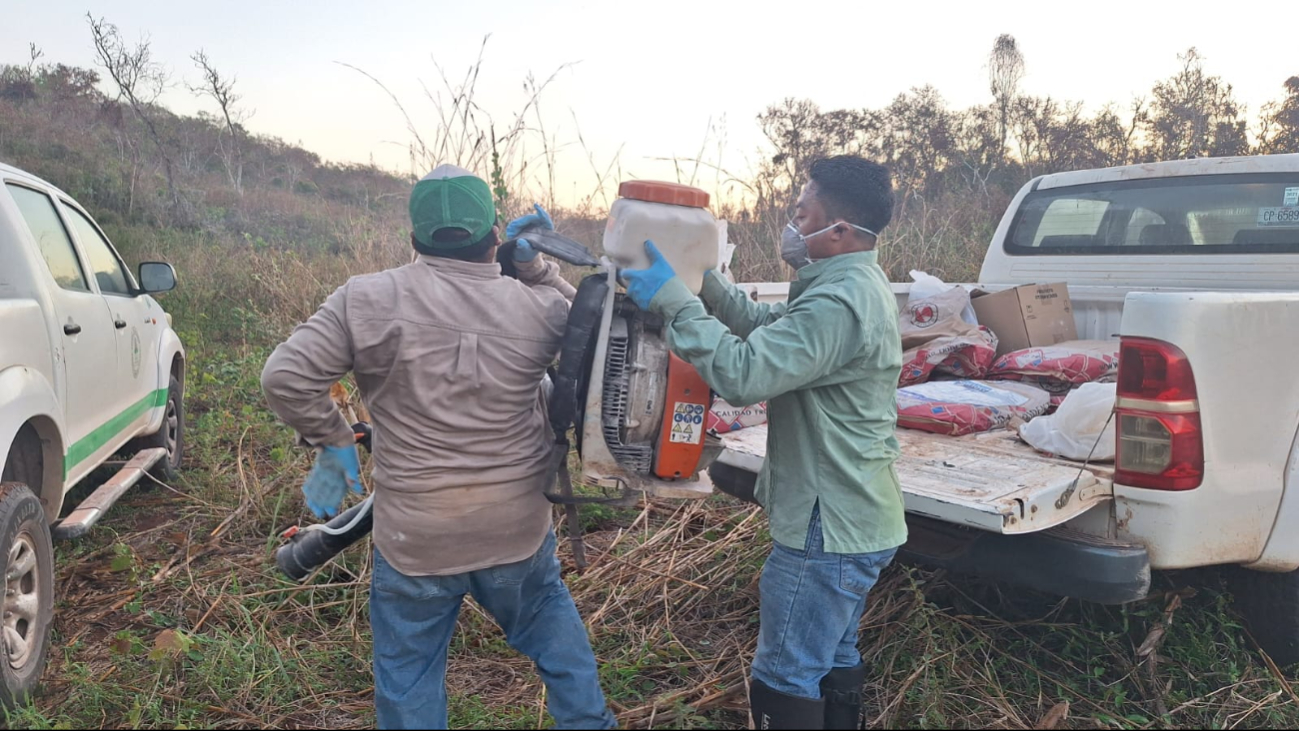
(989, 505)
(991, 481)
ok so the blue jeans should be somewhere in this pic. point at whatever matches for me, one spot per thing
(412, 618)
(811, 603)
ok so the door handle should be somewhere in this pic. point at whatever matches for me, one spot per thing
(119, 324)
(71, 328)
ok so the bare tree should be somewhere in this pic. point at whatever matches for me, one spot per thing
(18, 83)
(1005, 70)
(918, 139)
(140, 81)
(222, 91)
(1194, 114)
(36, 55)
(1116, 139)
(800, 133)
(1279, 122)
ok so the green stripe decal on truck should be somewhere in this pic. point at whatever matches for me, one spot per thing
(96, 439)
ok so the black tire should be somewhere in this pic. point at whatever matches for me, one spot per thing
(26, 552)
(1269, 604)
(26, 462)
(170, 437)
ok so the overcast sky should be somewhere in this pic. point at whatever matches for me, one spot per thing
(647, 79)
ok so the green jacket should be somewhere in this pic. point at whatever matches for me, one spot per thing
(827, 363)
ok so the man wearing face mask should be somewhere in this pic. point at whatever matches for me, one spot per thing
(793, 247)
(827, 362)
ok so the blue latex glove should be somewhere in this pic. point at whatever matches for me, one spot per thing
(523, 251)
(643, 284)
(336, 469)
(540, 217)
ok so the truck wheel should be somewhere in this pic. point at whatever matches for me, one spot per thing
(170, 437)
(1269, 604)
(28, 558)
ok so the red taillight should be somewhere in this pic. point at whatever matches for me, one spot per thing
(1154, 370)
(1160, 442)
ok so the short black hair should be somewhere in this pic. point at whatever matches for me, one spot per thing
(855, 189)
(476, 251)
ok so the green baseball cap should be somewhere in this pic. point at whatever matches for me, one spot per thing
(451, 197)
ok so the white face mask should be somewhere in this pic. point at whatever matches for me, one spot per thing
(793, 245)
(827, 228)
(793, 248)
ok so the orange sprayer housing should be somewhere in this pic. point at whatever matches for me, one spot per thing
(681, 441)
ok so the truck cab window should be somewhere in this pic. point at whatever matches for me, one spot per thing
(1069, 222)
(51, 238)
(1244, 213)
(104, 264)
(1142, 223)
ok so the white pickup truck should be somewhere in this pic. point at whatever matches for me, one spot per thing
(90, 370)
(1194, 266)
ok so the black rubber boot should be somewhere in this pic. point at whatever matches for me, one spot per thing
(841, 689)
(775, 710)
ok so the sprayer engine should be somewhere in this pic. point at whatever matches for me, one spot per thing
(638, 411)
(651, 405)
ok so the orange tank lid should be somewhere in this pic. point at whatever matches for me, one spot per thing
(655, 191)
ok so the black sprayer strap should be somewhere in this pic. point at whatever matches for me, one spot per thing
(565, 482)
(576, 352)
(571, 378)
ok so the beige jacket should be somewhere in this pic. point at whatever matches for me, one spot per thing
(449, 357)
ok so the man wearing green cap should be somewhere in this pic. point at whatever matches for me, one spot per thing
(449, 356)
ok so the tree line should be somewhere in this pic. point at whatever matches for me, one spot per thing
(102, 134)
(996, 147)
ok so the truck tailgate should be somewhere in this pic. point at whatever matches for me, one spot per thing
(990, 481)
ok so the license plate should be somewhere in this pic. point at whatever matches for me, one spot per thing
(1279, 216)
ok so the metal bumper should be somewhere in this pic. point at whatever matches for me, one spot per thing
(1057, 561)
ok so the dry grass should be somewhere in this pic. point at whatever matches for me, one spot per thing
(671, 602)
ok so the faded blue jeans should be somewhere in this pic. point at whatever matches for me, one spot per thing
(811, 603)
(412, 618)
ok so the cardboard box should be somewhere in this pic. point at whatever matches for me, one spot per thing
(1030, 316)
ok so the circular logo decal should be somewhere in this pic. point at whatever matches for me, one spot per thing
(136, 353)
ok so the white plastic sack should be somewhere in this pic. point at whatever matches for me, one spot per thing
(1072, 431)
(927, 285)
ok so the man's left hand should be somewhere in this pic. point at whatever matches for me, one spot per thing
(540, 218)
(523, 251)
(643, 284)
(336, 469)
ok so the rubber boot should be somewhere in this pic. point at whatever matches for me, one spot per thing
(841, 689)
(772, 709)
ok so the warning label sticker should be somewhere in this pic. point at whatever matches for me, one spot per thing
(687, 423)
(1291, 197)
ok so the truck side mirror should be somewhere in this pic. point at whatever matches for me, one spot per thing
(156, 276)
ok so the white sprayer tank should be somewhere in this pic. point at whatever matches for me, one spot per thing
(675, 217)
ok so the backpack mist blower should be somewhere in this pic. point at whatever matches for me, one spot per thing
(636, 410)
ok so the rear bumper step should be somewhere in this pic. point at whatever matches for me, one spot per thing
(80, 520)
(1057, 561)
